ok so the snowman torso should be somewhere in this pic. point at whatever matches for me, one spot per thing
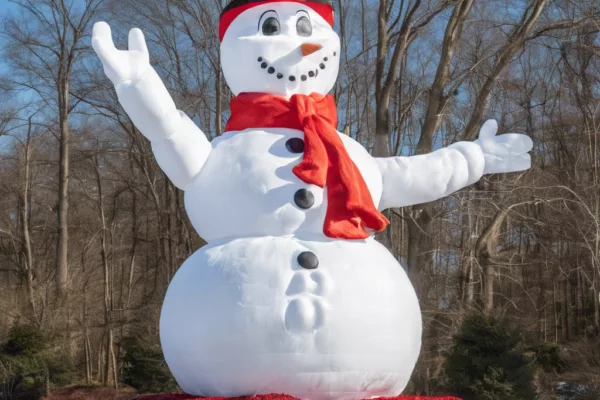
(247, 187)
(272, 304)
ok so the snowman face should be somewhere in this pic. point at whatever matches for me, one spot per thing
(282, 49)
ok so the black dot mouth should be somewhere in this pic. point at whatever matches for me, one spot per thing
(269, 69)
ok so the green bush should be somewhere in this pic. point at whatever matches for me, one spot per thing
(144, 366)
(25, 340)
(62, 371)
(27, 364)
(547, 356)
(485, 364)
(21, 377)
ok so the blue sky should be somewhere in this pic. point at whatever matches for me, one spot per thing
(6, 6)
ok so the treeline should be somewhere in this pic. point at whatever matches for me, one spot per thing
(91, 231)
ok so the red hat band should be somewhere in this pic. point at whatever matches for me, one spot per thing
(229, 15)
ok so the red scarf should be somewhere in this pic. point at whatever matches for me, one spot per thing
(326, 162)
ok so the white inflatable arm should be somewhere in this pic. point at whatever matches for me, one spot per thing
(424, 178)
(178, 144)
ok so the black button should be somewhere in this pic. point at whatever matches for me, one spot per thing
(304, 199)
(295, 145)
(308, 260)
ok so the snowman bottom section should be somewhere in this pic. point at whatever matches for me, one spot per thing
(317, 319)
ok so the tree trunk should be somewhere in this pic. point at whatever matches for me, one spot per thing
(485, 249)
(109, 354)
(101, 359)
(386, 73)
(565, 308)
(62, 268)
(488, 275)
(134, 241)
(107, 363)
(419, 227)
(467, 283)
(24, 211)
(382, 117)
(596, 301)
(437, 99)
(88, 358)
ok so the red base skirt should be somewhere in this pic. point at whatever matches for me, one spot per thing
(274, 397)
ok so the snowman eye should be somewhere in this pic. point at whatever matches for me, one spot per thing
(304, 27)
(271, 27)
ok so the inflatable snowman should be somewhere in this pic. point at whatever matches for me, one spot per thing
(292, 294)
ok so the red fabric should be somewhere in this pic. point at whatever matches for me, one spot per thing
(276, 397)
(228, 17)
(326, 162)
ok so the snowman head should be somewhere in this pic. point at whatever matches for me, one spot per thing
(280, 47)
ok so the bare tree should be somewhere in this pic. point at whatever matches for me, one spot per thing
(46, 40)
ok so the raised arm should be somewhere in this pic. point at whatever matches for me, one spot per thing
(425, 178)
(178, 145)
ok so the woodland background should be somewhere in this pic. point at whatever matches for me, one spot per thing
(91, 231)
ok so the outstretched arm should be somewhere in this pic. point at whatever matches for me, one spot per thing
(425, 178)
(178, 145)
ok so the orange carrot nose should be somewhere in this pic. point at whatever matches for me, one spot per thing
(309, 48)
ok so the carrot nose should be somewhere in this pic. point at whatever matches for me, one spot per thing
(309, 48)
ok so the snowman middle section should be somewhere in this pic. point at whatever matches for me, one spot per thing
(247, 187)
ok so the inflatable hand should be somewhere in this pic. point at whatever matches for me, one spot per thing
(139, 88)
(121, 66)
(504, 153)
